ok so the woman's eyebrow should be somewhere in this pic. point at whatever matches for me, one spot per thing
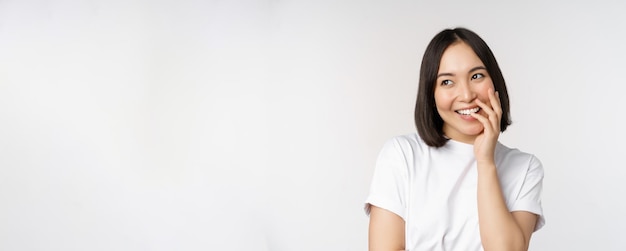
(471, 70)
(477, 68)
(444, 74)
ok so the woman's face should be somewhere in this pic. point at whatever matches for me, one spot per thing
(462, 78)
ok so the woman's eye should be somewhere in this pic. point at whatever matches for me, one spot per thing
(477, 76)
(446, 82)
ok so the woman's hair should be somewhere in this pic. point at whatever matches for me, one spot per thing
(427, 120)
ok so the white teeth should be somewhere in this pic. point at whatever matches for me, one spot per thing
(469, 111)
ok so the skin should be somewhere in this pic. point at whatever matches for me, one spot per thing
(463, 83)
(386, 230)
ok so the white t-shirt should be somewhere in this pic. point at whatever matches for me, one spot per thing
(434, 190)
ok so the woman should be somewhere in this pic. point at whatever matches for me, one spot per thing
(452, 185)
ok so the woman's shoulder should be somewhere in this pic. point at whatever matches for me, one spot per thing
(409, 142)
(504, 149)
(511, 154)
(409, 138)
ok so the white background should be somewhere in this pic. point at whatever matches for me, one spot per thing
(255, 125)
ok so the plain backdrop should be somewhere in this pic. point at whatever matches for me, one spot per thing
(255, 125)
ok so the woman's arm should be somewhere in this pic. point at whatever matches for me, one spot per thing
(386, 230)
(499, 228)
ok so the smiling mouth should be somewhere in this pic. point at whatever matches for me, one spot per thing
(468, 111)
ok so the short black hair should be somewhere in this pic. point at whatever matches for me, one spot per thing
(427, 120)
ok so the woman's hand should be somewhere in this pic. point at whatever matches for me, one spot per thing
(485, 143)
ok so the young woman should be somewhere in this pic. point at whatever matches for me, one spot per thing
(452, 185)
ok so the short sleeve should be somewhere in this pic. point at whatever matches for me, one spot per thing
(529, 197)
(390, 181)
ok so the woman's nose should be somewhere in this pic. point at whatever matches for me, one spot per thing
(465, 92)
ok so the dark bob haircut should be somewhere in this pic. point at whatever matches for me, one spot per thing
(427, 120)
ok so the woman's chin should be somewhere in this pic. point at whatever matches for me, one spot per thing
(473, 131)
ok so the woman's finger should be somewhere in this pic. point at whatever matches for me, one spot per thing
(492, 115)
(486, 122)
(494, 99)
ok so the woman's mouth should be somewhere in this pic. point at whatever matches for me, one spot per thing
(468, 111)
